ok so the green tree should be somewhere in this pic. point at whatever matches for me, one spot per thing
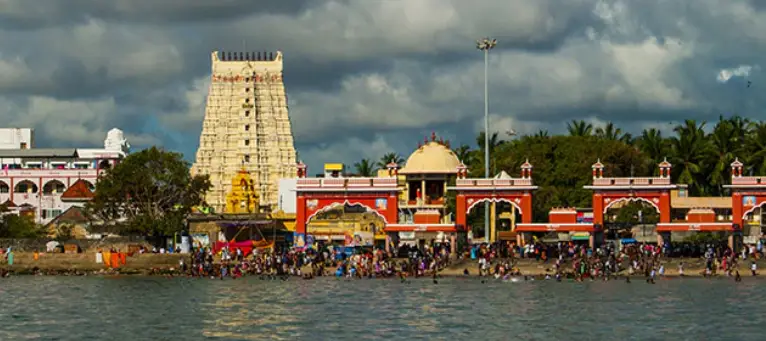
(464, 154)
(388, 158)
(149, 193)
(494, 142)
(15, 226)
(690, 150)
(579, 128)
(365, 167)
(610, 132)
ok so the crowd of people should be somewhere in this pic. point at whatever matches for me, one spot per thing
(578, 261)
(310, 263)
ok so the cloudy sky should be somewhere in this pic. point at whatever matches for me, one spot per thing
(365, 77)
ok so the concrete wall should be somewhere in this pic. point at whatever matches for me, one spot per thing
(87, 245)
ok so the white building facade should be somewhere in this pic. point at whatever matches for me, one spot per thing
(36, 178)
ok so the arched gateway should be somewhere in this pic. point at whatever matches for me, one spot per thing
(652, 190)
(748, 193)
(515, 191)
(314, 195)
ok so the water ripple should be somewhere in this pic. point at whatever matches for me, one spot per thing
(122, 308)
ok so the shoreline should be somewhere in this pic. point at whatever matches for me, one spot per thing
(81, 264)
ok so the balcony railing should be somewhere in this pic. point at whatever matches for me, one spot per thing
(492, 182)
(48, 172)
(346, 183)
(631, 181)
(748, 180)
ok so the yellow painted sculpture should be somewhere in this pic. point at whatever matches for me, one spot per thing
(243, 197)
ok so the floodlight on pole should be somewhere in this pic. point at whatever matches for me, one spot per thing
(485, 45)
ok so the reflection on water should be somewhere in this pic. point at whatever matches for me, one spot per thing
(144, 308)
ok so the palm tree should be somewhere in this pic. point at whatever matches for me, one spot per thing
(610, 132)
(724, 142)
(756, 150)
(542, 134)
(364, 168)
(464, 154)
(690, 148)
(494, 142)
(388, 158)
(579, 128)
(653, 145)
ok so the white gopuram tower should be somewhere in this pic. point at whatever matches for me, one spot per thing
(246, 126)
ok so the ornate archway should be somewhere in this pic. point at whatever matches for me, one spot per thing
(516, 191)
(314, 195)
(747, 194)
(609, 191)
(632, 199)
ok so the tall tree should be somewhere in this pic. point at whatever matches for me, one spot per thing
(755, 148)
(150, 192)
(610, 132)
(542, 134)
(724, 144)
(388, 158)
(464, 154)
(579, 128)
(494, 142)
(365, 167)
(690, 149)
(653, 145)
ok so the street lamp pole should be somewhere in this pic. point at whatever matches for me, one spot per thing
(485, 45)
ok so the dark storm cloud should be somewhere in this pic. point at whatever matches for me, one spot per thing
(28, 15)
(367, 77)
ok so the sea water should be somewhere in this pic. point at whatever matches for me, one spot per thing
(159, 308)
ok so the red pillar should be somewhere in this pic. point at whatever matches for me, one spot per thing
(526, 208)
(461, 209)
(300, 214)
(736, 208)
(598, 209)
(392, 211)
(664, 207)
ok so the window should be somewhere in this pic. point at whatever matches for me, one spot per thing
(247, 113)
(247, 158)
(23, 145)
(25, 186)
(35, 165)
(247, 100)
(247, 127)
(51, 213)
(54, 187)
(58, 165)
(247, 142)
(81, 165)
(247, 89)
(4, 188)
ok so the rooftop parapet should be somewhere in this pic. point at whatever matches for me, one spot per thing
(229, 56)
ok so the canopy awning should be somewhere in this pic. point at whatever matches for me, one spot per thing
(581, 236)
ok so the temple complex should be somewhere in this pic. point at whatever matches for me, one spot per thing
(246, 127)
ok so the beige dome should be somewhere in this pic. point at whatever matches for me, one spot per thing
(432, 158)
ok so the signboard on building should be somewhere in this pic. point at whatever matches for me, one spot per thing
(584, 217)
